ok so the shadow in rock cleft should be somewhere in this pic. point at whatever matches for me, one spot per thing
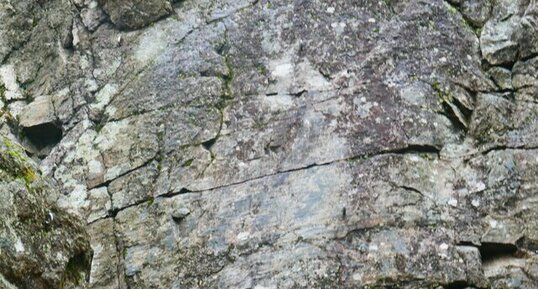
(44, 135)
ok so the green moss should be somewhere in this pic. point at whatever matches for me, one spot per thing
(262, 70)
(75, 271)
(150, 201)
(28, 175)
(228, 78)
(2, 92)
(14, 161)
(182, 76)
(16, 155)
(99, 126)
(452, 9)
(443, 95)
(187, 163)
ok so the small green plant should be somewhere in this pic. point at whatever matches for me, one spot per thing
(187, 163)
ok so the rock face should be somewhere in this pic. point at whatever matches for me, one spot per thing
(285, 144)
(41, 246)
(134, 14)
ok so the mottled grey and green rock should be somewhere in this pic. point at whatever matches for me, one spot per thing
(41, 246)
(134, 14)
(286, 144)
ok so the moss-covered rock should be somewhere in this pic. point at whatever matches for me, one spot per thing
(41, 246)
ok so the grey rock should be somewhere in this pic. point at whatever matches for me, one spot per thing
(38, 112)
(286, 144)
(527, 34)
(8, 78)
(524, 72)
(42, 246)
(92, 16)
(477, 12)
(498, 43)
(502, 77)
(135, 14)
(106, 257)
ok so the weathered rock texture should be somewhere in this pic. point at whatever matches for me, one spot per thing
(41, 246)
(286, 144)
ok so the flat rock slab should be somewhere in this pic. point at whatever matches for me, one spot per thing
(38, 112)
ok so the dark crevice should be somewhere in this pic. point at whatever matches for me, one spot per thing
(451, 114)
(293, 94)
(463, 109)
(506, 65)
(113, 213)
(300, 93)
(504, 91)
(43, 135)
(474, 27)
(527, 58)
(429, 149)
(528, 244)
(179, 218)
(410, 149)
(209, 144)
(408, 188)
(206, 73)
(412, 189)
(494, 148)
(325, 74)
(358, 233)
(180, 192)
(77, 269)
(222, 49)
(107, 182)
(457, 113)
(488, 150)
(458, 285)
(493, 251)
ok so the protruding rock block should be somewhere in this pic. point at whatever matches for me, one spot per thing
(135, 14)
(38, 121)
(38, 112)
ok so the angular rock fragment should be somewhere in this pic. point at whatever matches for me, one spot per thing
(135, 14)
(497, 41)
(39, 112)
(502, 77)
(39, 124)
(477, 12)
